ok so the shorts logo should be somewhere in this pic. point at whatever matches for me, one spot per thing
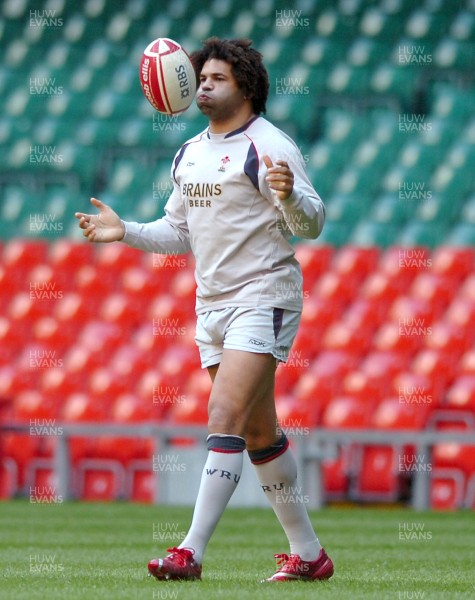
(257, 343)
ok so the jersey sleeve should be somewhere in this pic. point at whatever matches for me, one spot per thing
(168, 235)
(303, 211)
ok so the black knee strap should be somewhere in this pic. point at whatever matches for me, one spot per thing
(230, 444)
(267, 454)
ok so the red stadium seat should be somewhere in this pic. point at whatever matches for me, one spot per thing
(30, 406)
(199, 384)
(460, 313)
(411, 311)
(119, 310)
(100, 338)
(334, 288)
(139, 285)
(466, 365)
(461, 394)
(67, 256)
(336, 474)
(74, 309)
(381, 290)
(340, 337)
(355, 263)
(168, 315)
(404, 264)
(452, 339)
(191, 411)
(92, 284)
(397, 337)
(467, 289)
(393, 414)
(455, 455)
(436, 364)
(115, 258)
(130, 362)
(378, 477)
(80, 407)
(436, 290)
(323, 379)
(314, 260)
(293, 417)
(20, 256)
(104, 385)
(140, 481)
(345, 411)
(453, 262)
(415, 388)
(183, 287)
(363, 386)
(100, 480)
(363, 314)
(382, 366)
(446, 489)
(54, 335)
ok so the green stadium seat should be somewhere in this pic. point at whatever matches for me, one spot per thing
(468, 211)
(347, 79)
(438, 209)
(392, 210)
(463, 25)
(454, 54)
(345, 208)
(376, 23)
(462, 234)
(419, 233)
(333, 234)
(371, 233)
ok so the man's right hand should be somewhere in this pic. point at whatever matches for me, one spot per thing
(104, 227)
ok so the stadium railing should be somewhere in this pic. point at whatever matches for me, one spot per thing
(310, 450)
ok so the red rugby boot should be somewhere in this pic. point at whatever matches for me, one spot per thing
(180, 564)
(293, 568)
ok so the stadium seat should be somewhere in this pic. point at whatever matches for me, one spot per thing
(447, 488)
(378, 478)
(140, 482)
(346, 411)
(461, 394)
(99, 480)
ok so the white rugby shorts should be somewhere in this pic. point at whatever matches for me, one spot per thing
(265, 330)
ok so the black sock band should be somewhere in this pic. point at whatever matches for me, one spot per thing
(229, 444)
(267, 454)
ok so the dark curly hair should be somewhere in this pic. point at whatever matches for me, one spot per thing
(246, 65)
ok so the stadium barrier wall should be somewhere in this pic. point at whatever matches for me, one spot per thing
(310, 451)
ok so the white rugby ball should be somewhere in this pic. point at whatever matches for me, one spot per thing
(167, 76)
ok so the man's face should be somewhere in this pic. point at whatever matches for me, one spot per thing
(218, 95)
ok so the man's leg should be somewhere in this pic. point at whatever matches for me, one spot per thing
(242, 380)
(276, 469)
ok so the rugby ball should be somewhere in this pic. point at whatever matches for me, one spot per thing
(167, 76)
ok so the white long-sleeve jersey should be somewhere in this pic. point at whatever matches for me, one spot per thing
(223, 210)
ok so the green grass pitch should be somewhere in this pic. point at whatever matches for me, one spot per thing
(86, 551)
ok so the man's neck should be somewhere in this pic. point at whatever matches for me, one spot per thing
(231, 124)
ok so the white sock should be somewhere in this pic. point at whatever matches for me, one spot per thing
(276, 469)
(220, 477)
